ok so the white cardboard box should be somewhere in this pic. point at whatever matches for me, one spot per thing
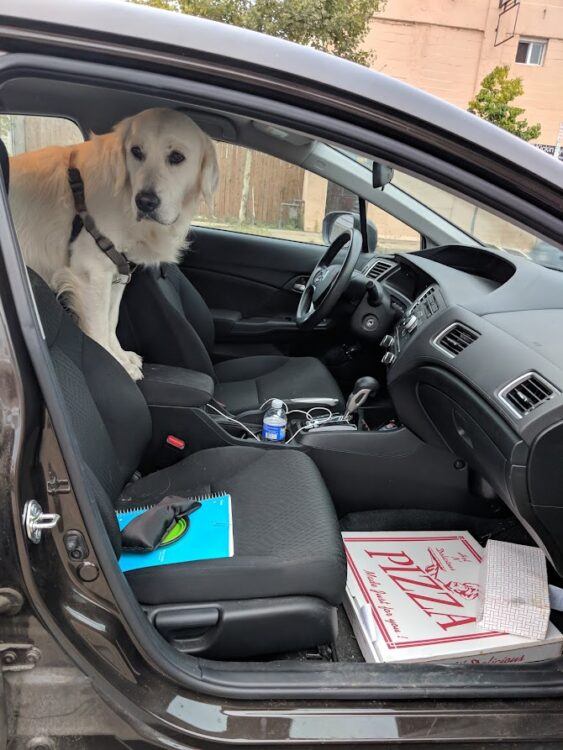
(515, 595)
(414, 596)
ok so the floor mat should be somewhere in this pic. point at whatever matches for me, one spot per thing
(345, 647)
(506, 529)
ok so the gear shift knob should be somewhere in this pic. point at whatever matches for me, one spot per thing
(363, 387)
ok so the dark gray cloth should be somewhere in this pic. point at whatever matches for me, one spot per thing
(165, 320)
(286, 535)
(246, 383)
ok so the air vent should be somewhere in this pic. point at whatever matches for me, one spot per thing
(524, 395)
(380, 267)
(455, 339)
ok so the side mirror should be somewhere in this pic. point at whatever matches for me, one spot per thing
(336, 222)
(381, 175)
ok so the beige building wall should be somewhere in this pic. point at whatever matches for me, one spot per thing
(446, 47)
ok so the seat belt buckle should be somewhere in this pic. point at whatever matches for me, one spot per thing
(176, 442)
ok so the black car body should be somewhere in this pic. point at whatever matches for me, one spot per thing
(81, 662)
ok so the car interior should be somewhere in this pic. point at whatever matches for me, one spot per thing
(423, 391)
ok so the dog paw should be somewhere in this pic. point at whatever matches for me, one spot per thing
(131, 363)
(135, 360)
(133, 371)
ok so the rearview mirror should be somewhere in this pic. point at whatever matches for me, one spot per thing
(336, 222)
(381, 175)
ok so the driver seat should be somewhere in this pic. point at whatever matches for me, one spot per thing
(165, 320)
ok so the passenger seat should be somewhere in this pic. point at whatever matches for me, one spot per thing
(280, 590)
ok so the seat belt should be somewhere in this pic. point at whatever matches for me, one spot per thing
(83, 220)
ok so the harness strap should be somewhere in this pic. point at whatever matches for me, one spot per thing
(83, 220)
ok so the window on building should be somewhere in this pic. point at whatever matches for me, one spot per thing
(531, 51)
(261, 194)
(30, 132)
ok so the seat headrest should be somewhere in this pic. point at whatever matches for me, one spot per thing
(5, 164)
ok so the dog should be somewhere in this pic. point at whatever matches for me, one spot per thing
(141, 186)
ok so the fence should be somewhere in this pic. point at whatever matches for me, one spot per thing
(266, 188)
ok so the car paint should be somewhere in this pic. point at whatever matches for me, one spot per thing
(149, 704)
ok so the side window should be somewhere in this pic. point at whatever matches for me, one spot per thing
(30, 132)
(263, 195)
(393, 236)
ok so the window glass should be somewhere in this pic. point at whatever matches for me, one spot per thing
(263, 195)
(479, 223)
(260, 194)
(393, 235)
(29, 132)
(531, 51)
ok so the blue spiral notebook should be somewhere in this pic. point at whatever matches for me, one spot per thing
(209, 536)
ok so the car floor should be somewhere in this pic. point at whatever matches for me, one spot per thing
(503, 527)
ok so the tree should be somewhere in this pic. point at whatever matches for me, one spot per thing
(493, 103)
(336, 26)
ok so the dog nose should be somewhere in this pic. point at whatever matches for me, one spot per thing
(147, 201)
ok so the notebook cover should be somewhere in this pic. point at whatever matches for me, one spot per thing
(209, 537)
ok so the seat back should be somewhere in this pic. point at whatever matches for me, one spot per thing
(165, 320)
(109, 415)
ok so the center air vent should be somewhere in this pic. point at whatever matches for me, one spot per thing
(525, 394)
(455, 339)
(380, 267)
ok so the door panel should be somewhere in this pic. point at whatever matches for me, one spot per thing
(250, 274)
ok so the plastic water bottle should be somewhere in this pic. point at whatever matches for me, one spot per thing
(275, 422)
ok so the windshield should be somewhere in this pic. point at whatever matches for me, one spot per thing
(479, 225)
(484, 226)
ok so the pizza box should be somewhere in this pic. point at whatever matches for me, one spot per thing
(414, 596)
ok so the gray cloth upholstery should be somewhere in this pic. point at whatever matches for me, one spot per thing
(165, 320)
(286, 535)
(246, 383)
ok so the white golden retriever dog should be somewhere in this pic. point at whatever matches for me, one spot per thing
(142, 185)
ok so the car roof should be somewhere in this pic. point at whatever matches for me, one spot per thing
(149, 27)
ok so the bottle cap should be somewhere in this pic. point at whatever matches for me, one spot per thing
(277, 403)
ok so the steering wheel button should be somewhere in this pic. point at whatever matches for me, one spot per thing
(388, 358)
(387, 341)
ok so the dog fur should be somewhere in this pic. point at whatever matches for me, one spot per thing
(114, 176)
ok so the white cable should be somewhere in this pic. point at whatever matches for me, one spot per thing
(236, 421)
(305, 426)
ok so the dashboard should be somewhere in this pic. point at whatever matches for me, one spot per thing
(475, 364)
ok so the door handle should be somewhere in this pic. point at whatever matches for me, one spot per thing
(298, 287)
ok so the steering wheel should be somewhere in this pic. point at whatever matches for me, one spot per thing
(328, 281)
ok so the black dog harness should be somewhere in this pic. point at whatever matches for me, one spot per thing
(83, 220)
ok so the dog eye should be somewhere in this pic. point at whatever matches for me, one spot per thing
(175, 157)
(137, 153)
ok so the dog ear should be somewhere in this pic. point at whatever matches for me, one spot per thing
(209, 172)
(119, 163)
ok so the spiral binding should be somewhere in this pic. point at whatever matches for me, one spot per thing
(197, 498)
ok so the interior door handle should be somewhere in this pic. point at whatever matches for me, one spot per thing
(298, 287)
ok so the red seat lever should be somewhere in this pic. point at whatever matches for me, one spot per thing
(176, 442)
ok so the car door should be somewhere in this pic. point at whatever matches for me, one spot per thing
(252, 251)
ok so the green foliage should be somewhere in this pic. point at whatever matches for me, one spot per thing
(336, 26)
(493, 103)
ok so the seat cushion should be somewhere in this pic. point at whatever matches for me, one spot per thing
(245, 384)
(286, 535)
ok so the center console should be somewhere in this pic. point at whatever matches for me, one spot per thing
(425, 306)
(366, 461)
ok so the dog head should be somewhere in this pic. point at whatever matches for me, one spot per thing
(168, 162)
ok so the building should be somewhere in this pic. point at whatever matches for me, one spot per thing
(447, 47)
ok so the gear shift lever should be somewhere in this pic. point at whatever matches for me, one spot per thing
(363, 387)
